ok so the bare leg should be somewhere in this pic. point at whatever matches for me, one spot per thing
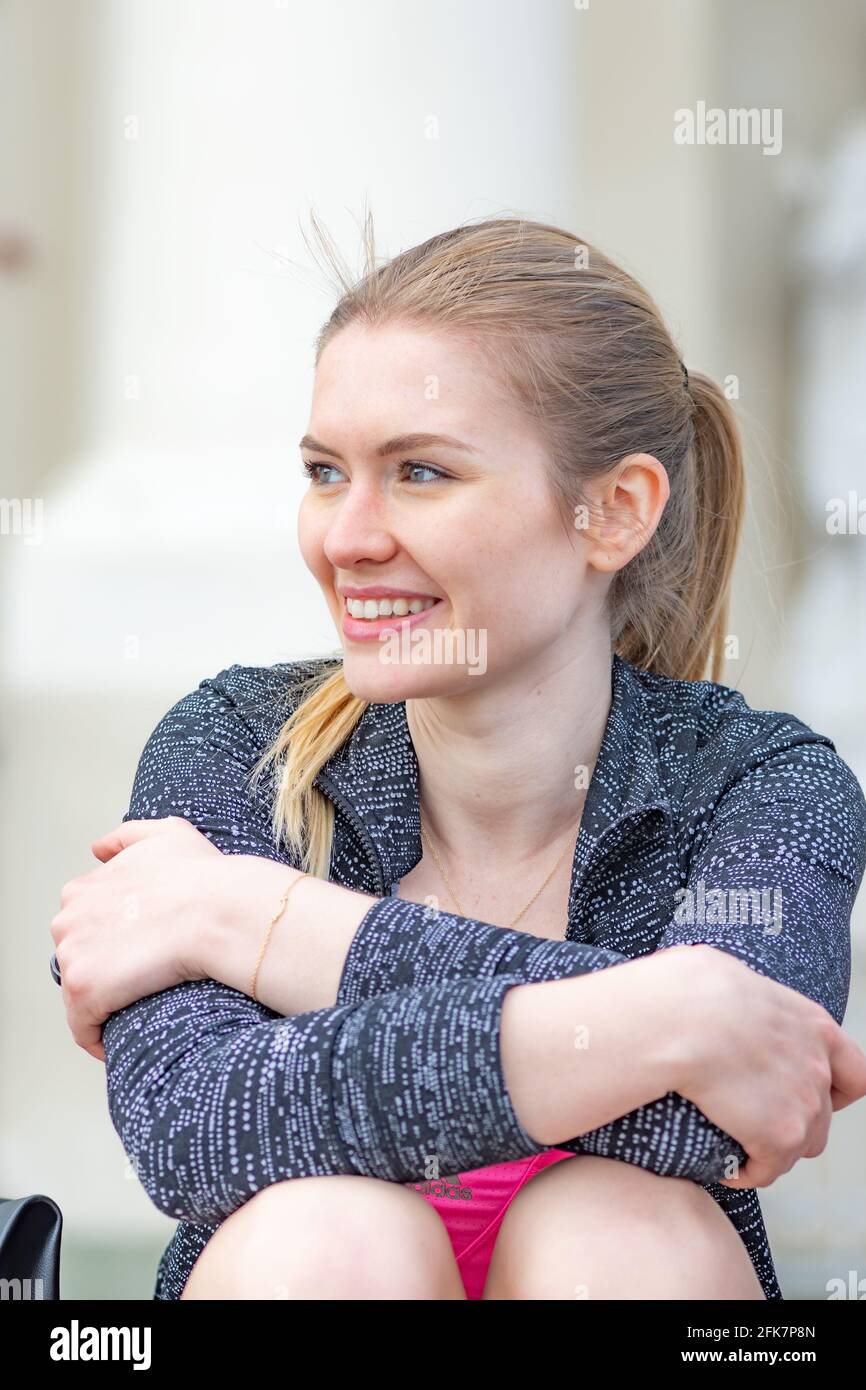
(341, 1237)
(597, 1228)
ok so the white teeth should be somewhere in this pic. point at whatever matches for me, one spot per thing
(371, 608)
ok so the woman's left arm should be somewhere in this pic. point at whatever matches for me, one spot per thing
(772, 880)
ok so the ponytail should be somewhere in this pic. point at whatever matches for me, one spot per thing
(720, 485)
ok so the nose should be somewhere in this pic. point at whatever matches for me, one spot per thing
(359, 528)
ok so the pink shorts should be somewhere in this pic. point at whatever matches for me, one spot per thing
(472, 1206)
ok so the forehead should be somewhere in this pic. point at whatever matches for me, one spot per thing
(397, 378)
(398, 359)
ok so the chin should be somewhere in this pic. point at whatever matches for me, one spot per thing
(379, 683)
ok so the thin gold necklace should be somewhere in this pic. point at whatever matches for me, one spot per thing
(538, 891)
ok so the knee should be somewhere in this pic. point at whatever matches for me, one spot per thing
(591, 1202)
(593, 1227)
(639, 1199)
(337, 1237)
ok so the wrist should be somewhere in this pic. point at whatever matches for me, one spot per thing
(677, 1032)
(305, 953)
(246, 890)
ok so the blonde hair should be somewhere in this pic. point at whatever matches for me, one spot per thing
(583, 350)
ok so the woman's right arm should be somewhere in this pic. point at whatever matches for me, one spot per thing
(215, 1096)
(759, 1000)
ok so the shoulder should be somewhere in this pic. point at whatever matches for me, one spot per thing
(241, 708)
(264, 696)
(714, 719)
(724, 757)
(195, 762)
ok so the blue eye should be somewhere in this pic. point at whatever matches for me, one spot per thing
(311, 469)
(425, 467)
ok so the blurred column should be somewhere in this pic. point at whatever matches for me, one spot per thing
(205, 130)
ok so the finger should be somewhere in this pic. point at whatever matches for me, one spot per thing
(86, 1031)
(88, 1036)
(74, 886)
(819, 1130)
(95, 1050)
(849, 1071)
(840, 1099)
(130, 832)
(755, 1172)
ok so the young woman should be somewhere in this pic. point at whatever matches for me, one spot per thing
(506, 906)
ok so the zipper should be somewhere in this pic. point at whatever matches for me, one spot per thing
(324, 783)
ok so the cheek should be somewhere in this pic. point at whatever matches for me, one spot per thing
(524, 606)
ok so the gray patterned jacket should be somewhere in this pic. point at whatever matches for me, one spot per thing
(215, 1096)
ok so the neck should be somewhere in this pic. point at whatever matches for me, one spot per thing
(497, 768)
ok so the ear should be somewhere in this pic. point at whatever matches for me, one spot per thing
(625, 508)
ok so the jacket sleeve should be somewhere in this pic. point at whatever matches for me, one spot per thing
(214, 1096)
(771, 879)
(787, 839)
(774, 875)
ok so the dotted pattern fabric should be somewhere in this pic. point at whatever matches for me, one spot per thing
(215, 1097)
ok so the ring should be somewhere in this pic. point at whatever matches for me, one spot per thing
(55, 969)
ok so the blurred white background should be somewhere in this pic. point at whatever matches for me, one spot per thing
(158, 313)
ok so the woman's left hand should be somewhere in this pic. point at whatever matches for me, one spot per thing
(131, 927)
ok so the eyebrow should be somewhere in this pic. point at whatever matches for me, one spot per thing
(398, 445)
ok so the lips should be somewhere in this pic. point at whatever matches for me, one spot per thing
(368, 629)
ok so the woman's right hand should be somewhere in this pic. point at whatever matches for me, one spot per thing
(763, 1062)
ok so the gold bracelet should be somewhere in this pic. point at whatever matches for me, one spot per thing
(279, 912)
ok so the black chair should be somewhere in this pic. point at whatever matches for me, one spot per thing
(30, 1230)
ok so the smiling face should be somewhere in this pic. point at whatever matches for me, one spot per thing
(470, 521)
